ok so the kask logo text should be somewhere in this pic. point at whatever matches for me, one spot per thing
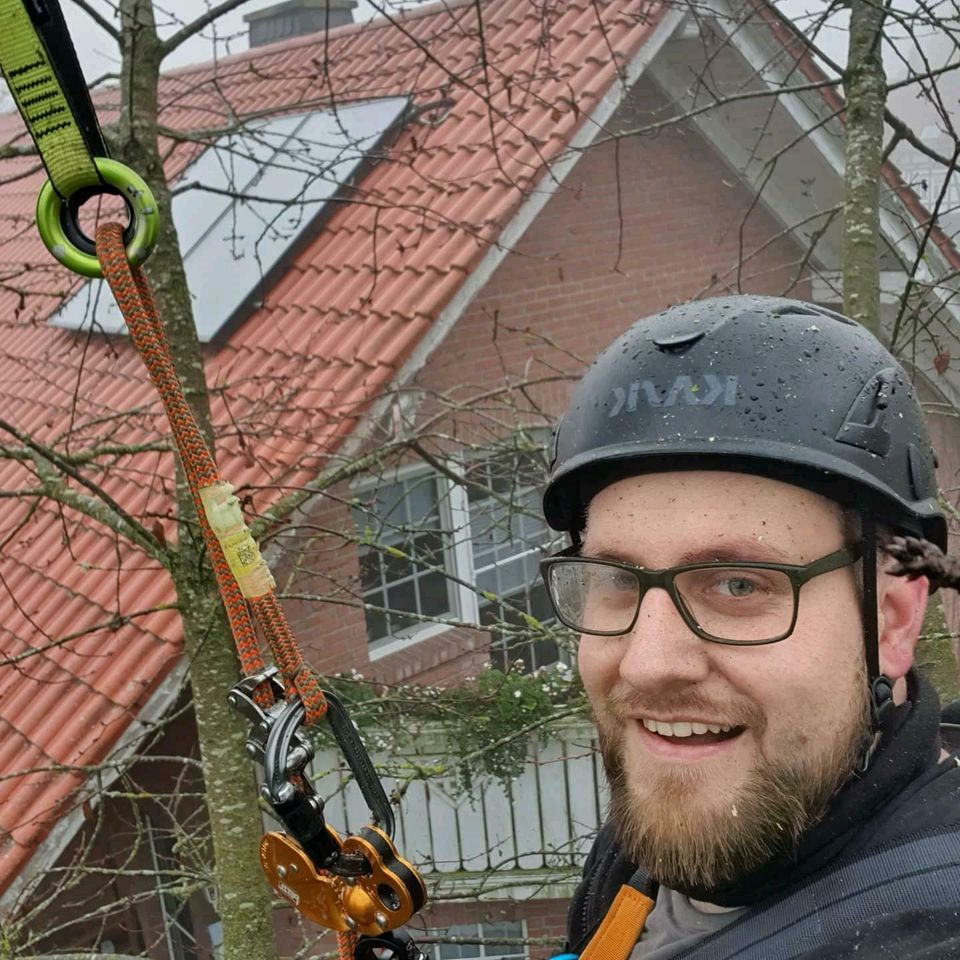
(704, 392)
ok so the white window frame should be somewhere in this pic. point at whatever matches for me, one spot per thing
(404, 639)
(457, 497)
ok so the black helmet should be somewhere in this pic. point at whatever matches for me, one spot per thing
(761, 385)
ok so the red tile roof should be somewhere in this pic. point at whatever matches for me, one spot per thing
(331, 334)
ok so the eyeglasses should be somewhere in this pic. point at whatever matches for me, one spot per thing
(724, 602)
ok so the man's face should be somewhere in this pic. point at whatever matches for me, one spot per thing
(706, 809)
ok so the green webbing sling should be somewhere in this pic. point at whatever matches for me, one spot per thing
(41, 68)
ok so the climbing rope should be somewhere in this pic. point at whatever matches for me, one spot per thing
(242, 574)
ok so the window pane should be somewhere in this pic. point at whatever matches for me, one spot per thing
(489, 950)
(451, 951)
(385, 505)
(421, 500)
(397, 623)
(543, 653)
(508, 931)
(539, 603)
(396, 568)
(428, 547)
(376, 624)
(513, 577)
(434, 594)
(402, 597)
(370, 570)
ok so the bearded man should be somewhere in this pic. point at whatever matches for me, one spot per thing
(728, 471)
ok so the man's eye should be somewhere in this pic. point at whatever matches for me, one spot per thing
(738, 586)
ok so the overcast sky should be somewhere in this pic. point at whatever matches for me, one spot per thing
(98, 53)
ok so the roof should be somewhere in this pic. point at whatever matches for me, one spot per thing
(87, 629)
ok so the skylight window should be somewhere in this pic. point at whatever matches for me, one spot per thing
(245, 204)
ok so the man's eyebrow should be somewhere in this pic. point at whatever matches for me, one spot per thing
(730, 551)
(734, 551)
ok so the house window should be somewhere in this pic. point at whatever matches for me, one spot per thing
(508, 536)
(489, 950)
(426, 539)
(404, 553)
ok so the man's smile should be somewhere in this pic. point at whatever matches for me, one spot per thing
(678, 741)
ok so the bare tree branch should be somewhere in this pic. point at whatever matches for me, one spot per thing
(194, 27)
(98, 18)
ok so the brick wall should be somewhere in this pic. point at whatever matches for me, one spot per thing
(639, 224)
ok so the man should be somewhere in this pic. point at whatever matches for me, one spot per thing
(778, 783)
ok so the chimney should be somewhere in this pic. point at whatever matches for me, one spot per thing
(294, 18)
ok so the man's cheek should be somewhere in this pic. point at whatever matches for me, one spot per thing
(597, 672)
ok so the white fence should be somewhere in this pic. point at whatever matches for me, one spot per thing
(544, 820)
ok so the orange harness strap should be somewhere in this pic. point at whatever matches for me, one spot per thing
(620, 930)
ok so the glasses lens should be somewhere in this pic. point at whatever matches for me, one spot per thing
(744, 605)
(594, 597)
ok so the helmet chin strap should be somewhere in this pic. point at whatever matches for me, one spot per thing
(881, 687)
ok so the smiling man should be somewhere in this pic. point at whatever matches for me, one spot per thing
(777, 780)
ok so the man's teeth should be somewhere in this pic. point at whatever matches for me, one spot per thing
(683, 728)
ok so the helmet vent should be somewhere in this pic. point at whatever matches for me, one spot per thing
(555, 445)
(920, 478)
(865, 425)
(678, 342)
(795, 309)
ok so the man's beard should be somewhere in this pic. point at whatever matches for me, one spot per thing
(683, 840)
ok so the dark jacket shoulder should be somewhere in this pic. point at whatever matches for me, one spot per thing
(931, 801)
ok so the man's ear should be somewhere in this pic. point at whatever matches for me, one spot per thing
(901, 607)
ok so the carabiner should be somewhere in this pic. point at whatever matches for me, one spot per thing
(358, 882)
(397, 945)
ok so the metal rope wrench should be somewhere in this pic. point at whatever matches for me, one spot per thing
(358, 882)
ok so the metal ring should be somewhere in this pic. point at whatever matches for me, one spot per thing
(61, 232)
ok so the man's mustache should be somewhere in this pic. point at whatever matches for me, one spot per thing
(624, 703)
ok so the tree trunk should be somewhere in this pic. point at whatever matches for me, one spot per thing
(244, 897)
(865, 87)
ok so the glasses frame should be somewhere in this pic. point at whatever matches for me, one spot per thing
(798, 574)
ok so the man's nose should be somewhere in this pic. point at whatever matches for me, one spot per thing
(661, 650)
